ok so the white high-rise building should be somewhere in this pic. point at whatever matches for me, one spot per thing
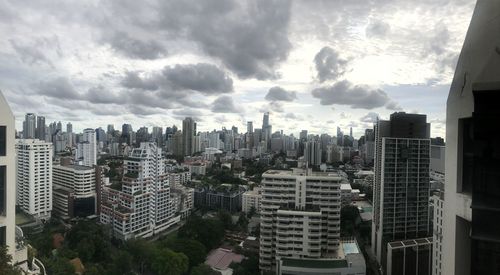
(471, 222)
(34, 177)
(143, 205)
(402, 186)
(87, 149)
(7, 178)
(300, 216)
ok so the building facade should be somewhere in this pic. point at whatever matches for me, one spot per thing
(142, 206)
(34, 177)
(251, 198)
(74, 192)
(471, 227)
(401, 185)
(300, 216)
(87, 149)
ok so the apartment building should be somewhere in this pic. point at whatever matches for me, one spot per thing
(300, 216)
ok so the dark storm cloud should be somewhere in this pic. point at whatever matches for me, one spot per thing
(377, 28)
(329, 65)
(136, 48)
(357, 97)
(249, 37)
(202, 77)
(280, 94)
(224, 104)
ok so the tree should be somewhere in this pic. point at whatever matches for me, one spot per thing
(167, 262)
(252, 212)
(348, 217)
(5, 263)
(208, 232)
(203, 269)
(58, 266)
(121, 263)
(193, 249)
(225, 218)
(242, 222)
(142, 252)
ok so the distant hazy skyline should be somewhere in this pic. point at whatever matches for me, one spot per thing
(314, 64)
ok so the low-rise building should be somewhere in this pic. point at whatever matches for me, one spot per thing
(345, 193)
(225, 196)
(348, 261)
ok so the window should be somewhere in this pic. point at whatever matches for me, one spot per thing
(3, 140)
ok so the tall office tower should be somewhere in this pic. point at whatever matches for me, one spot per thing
(157, 136)
(249, 127)
(401, 186)
(29, 126)
(471, 222)
(143, 206)
(110, 129)
(34, 177)
(87, 148)
(142, 135)
(127, 133)
(368, 148)
(266, 130)
(177, 147)
(303, 135)
(74, 191)
(69, 128)
(340, 137)
(300, 216)
(59, 126)
(40, 128)
(265, 120)
(312, 153)
(188, 132)
(101, 135)
(235, 130)
(350, 132)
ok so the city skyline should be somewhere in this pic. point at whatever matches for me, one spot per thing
(357, 58)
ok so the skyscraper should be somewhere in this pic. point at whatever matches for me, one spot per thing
(29, 126)
(340, 137)
(188, 132)
(40, 128)
(266, 130)
(312, 153)
(34, 177)
(471, 221)
(69, 128)
(249, 127)
(87, 149)
(401, 187)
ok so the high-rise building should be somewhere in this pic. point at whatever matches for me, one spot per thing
(157, 136)
(69, 128)
(300, 216)
(29, 126)
(87, 148)
(249, 127)
(40, 128)
(340, 137)
(471, 227)
(188, 132)
(34, 177)
(402, 186)
(7, 178)
(266, 130)
(312, 153)
(111, 129)
(142, 207)
(303, 135)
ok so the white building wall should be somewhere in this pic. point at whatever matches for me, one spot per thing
(34, 177)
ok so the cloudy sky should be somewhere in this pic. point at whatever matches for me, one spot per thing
(313, 64)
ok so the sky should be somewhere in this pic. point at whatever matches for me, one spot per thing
(312, 64)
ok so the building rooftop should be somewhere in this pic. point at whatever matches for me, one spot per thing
(75, 167)
(311, 263)
(345, 186)
(221, 258)
(301, 172)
